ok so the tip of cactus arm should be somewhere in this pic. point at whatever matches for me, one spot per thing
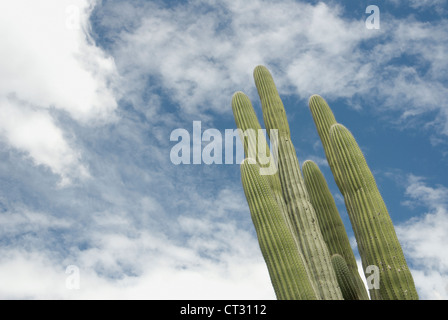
(238, 96)
(337, 127)
(238, 93)
(314, 97)
(307, 163)
(260, 69)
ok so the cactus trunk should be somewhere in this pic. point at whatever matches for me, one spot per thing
(246, 120)
(300, 212)
(323, 119)
(330, 222)
(373, 227)
(286, 265)
(374, 231)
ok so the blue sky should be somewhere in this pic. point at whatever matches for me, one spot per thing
(90, 92)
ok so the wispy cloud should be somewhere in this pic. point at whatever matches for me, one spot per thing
(121, 259)
(439, 5)
(423, 238)
(50, 63)
(98, 117)
(309, 48)
(224, 41)
(34, 132)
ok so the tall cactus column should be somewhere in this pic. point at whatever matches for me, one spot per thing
(286, 265)
(246, 120)
(323, 119)
(373, 226)
(300, 211)
(330, 222)
(375, 234)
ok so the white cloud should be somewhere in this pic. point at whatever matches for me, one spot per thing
(34, 131)
(50, 62)
(124, 261)
(133, 246)
(201, 57)
(423, 238)
(28, 275)
(33, 276)
(28, 221)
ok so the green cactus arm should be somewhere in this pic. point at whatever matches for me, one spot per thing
(372, 225)
(286, 266)
(345, 278)
(246, 120)
(274, 113)
(323, 119)
(330, 222)
(300, 211)
(327, 213)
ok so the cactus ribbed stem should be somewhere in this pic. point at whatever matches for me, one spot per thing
(330, 222)
(372, 225)
(345, 278)
(323, 119)
(246, 119)
(286, 265)
(300, 211)
(274, 113)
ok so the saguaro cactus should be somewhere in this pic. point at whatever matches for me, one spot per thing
(300, 213)
(323, 119)
(374, 230)
(378, 244)
(286, 266)
(246, 120)
(330, 222)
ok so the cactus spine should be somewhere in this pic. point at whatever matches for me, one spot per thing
(375, 234)
(300, 212)
(330, 223)
(286, 266)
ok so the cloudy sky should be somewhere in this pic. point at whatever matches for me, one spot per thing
(90, 92)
